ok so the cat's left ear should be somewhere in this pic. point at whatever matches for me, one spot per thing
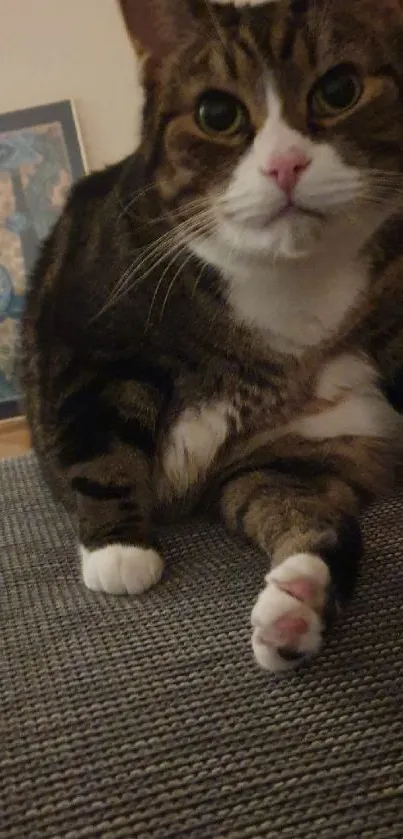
(156, 27)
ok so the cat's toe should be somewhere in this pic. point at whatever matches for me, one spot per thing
(287, 618)
(121, 569)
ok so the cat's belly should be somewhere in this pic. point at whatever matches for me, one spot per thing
(191, 446)
(345, 401)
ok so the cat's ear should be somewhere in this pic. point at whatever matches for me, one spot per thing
(157, 26)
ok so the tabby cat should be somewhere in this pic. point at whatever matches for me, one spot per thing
(207, 321)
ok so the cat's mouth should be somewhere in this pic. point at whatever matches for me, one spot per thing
(263, 220)
(293, 209)
(290, 212)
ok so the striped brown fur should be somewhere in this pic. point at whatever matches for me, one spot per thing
(125, 333)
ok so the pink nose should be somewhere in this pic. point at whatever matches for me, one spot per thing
(287, 169)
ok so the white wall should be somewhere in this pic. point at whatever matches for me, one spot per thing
(73, 49)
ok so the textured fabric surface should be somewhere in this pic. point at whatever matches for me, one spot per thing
(125, 718)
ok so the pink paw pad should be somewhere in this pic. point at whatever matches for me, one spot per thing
(287, 617)
(289, 628)
(302, 589)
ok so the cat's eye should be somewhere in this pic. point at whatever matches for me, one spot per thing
(218, 112)
(337, 91)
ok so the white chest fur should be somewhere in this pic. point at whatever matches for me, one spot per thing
(192, 444)
(300, 307)
(295, 303)
(356, 405)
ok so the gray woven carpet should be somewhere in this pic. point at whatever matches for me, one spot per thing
(148, 718)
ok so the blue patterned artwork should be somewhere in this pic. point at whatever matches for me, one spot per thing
(40, 158)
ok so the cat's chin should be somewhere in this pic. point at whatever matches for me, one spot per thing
(289, 237)
(292, 235)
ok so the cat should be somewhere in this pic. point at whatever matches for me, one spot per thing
(210, 321)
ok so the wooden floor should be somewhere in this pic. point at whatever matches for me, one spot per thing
(14, 438)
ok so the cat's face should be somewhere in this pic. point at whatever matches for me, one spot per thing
(278, 132)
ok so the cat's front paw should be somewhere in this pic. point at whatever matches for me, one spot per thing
(121, 569)
(288, 616)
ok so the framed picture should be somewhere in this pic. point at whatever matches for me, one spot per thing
(41, 155)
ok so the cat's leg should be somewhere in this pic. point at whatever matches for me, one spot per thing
(101, 427)
(114, 506)
(303, 512)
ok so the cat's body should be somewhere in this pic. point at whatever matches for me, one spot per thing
(192, 338)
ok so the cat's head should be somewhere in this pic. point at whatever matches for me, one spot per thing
(275, 129)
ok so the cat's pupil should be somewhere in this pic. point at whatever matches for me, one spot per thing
(340, 92)
(339, 89)
(219, 112)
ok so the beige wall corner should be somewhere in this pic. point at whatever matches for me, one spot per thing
(73, 49)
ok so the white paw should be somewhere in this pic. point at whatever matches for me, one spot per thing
(121, 569)
(287, 616)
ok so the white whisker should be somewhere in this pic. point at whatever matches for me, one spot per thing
(190, 206)
(161, 280)
(150, 251)
(172, 283)
(199, 278)
(171, 243)
(137, 195)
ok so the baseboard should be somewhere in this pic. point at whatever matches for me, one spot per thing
(15, 438)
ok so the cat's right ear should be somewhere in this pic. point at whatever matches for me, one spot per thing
(157, 26)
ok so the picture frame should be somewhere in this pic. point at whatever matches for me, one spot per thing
(41, 156)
